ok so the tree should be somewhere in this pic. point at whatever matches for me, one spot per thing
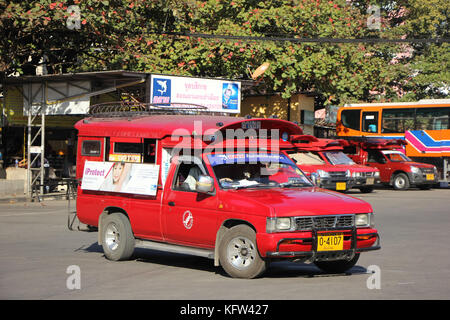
(169, 37)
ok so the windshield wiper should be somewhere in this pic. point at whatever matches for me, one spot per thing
(259, 185)
(294, 184)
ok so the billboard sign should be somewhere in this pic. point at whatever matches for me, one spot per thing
(124, 177)
(216, 95)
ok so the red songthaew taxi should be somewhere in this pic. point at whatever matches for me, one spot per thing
(396, 169)
(334, 170)
(212, 186)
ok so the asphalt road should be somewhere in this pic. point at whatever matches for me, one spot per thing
(39, 258)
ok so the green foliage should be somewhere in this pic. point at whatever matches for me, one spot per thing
(140, 35)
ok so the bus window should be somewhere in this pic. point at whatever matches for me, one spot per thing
(370, 122)
(91, 148)
(398, 120)
(432, 118)
(350, 118)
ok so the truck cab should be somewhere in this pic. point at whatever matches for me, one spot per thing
(396, 169)
(325, 159)
(212, 186)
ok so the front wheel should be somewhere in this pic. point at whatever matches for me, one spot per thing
(400, 181)
(339, 266)
(238, 253)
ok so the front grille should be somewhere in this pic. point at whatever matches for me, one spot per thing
(325, 222)
(427, 170)
(338, 175)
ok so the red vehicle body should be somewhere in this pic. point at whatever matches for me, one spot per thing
(396, 169)
(241, 221)
(335, 170)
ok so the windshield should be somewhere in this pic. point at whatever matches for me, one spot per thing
(244, 170)
(337, 157)
(396, 156)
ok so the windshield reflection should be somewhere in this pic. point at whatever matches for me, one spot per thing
(238, 171)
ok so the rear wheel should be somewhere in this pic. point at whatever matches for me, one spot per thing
(117, 237)
(238, 253)
(338, 266)
(400, 181)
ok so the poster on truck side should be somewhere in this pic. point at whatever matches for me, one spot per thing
(214, 94)
(123, 177)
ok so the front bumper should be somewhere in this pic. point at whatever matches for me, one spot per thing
(422, 178)
(366, 182)
(338, 185)
(302, 246)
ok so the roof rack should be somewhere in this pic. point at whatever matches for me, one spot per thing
(127, 109)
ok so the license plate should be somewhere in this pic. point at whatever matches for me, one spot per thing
(330, 242)
(370, 181)
(341, 186)
(430, 176)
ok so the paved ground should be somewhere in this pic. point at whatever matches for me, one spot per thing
(36, 250)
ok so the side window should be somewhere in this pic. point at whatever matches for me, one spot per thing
(376, 156)
(370, 122)
(350, 118)
(187, 176)
(398, 120)
(91, 148)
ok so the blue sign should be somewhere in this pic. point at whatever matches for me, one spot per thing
(218, 159)
(230, 96)
(162, 89)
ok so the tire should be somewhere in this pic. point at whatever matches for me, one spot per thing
(400, 181)
(117, 237)
(338, 266)
(366, 189)
(238, 253)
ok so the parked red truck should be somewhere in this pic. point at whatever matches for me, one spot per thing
(215, 187)
(396, 169)
(326, 159)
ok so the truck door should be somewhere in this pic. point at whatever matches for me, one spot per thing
(376, 159)
(189, 217)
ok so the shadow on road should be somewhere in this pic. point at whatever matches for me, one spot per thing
(279, 269)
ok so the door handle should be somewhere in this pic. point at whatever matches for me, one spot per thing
(171, 203)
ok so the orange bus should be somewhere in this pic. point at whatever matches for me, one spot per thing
(424, 125)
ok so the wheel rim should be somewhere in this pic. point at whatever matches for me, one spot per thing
(112, 237)
(400, 182)
(241, 252)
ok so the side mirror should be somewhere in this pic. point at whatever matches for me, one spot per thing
(205, 184)
(315, 178)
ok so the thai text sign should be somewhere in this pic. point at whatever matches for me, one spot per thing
(216, 95)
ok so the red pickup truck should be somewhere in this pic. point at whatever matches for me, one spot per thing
(396, 169)
(215, 187)
(336, 171)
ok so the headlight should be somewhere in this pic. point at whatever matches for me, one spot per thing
(278, 224)
(356, 174)
(348, 173)
(377, 174)
(364, 220)
(415, 170)
(322, 173)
